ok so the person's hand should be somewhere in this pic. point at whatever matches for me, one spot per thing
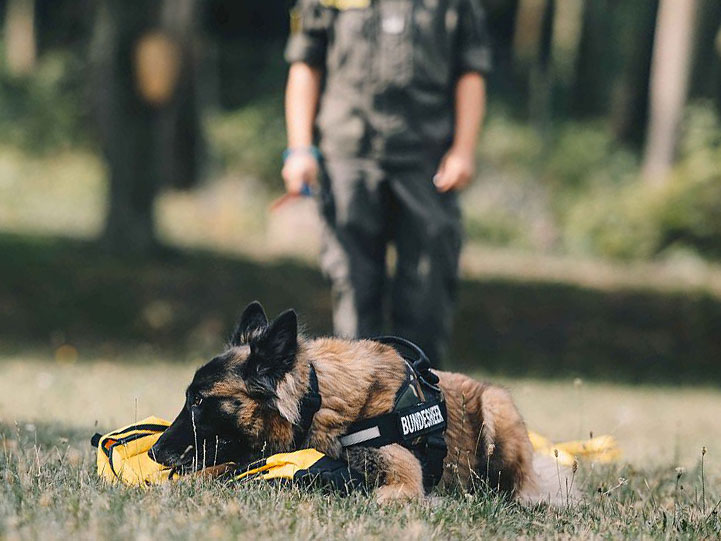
(300, 168)
(455, 171)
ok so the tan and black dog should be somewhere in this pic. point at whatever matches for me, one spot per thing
(244, 404)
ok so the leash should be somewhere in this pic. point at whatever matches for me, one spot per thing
(305, 191)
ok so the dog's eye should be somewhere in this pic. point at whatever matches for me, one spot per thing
(197, 401)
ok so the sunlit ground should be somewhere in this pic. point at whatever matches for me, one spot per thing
(64, 194)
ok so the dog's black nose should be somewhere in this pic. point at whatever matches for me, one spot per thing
(157, 454)
(167, 456)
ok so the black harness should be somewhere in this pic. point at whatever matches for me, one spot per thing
(417, 421)
(309, 405)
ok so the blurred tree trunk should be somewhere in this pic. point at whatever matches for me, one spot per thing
(126, 124)
(717, 48)
(20, 44)
(542, 73)
(533, 42)
(629, 105)
(567, 25)
(145, 109)
(180, 129)
(594, 69)
(706, 71)
(669, 85)
(527, 34)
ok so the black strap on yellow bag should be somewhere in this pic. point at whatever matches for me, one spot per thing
(307, 468)
(123, 454)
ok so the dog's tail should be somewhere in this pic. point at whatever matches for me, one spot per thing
(553, 484)
(504, 452)
(537, 478)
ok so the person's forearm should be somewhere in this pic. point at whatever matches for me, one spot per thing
(301, 103)
(470, 108)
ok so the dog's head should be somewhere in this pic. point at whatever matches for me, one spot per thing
(238, 404)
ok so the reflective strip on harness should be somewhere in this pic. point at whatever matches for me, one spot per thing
(402, 426)
(360, 436)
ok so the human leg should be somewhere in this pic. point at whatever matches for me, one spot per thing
(427, 233)
(354, 208)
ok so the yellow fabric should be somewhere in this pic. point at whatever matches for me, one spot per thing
(603, 449)
(130, 460)
(133, 466)
(342, 5)
(285, 465)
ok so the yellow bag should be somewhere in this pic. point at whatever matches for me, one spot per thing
(123, 454)
(123, 457)
(603, 449)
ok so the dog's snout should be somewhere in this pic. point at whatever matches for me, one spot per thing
(162, 455)
(156, 453)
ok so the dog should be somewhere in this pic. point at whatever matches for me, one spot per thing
(245, 403)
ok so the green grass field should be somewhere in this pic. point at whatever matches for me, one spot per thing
(49, 488)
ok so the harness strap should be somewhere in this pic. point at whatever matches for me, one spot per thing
(309, 406)
(431, 454)
(400, 426)
(418, 427)
(414, 355)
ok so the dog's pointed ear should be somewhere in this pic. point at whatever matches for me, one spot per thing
(272, 355)
(252, 320)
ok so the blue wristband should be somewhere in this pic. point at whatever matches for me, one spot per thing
(312, 150)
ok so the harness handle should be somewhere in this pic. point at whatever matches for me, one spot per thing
(413, 354)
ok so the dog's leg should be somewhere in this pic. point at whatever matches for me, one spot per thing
(404, 476)
(393, 468)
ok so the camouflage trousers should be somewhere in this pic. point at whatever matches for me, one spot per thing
(366, 207)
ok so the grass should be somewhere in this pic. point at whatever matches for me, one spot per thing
(49, 489)
(90, 341)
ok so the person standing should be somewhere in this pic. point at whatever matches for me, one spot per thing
(384, 102)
